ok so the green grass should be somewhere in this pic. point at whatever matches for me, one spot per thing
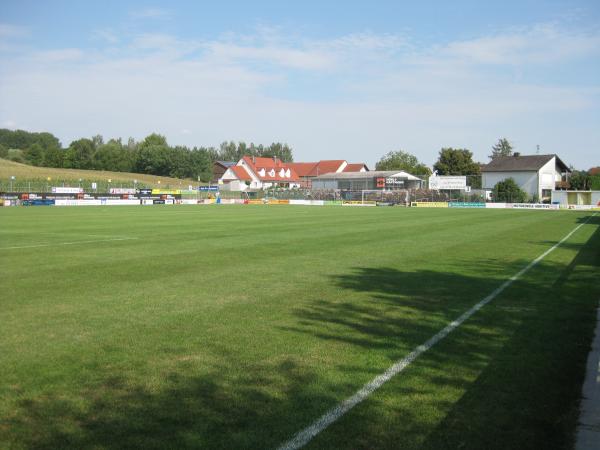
(237, 326)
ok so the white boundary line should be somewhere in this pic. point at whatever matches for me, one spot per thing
(53, 244)
(307, 434)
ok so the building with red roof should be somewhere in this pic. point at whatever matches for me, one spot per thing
(310, 170)
(259, 173)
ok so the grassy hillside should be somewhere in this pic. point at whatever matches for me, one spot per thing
(25, 175)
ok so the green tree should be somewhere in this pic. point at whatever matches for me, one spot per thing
(456, 161)
(152, 156)
(53, 157)
(459, 161)
(580, 180)
(501, 148)
(508, 191)
(34, 154)
(3, 151)
(400, 160)
(80, 154)
(277, 150)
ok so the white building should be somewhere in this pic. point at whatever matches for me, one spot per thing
(537, 175)
(258, 173)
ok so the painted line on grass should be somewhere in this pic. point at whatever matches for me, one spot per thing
(53, 244)
(307, 434)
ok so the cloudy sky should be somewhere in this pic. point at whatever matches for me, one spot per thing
(345, 79)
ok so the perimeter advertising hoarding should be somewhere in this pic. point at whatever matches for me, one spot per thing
(166, 191)
(451, 183)
(122, 191)
(66, 190)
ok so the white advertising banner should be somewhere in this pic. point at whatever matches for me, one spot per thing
(448, 183)
(119, 202)
(122, 191)
(495, 205)
(66, 190)
(66, 202)
(531, 206)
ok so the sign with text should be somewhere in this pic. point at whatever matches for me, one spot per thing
(208, 188)
(66, 190)
(451, 183)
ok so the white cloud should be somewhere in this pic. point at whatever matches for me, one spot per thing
(360, 95)
(152, 13)
(540, 44)
(12, 31)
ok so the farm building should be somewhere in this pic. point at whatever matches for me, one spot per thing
(373, 180)
(537, 175)
(258, 173)
(308, 171)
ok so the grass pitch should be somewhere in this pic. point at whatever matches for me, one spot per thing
(237, 326)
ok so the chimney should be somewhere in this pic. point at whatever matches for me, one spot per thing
(516, 154)
(253, 159)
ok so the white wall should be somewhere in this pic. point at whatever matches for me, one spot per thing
(528, 181)
(547, 176)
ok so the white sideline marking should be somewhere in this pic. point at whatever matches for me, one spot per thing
(305, 436)
(52, 244)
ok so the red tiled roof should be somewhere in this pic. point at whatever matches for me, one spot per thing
(268, 164)
(355, 167)
(314, 169)
(594, 171)
(241, 173)
(303, 169)
(327, 166)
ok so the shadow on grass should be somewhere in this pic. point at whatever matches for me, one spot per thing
(524, 395)
(193, 412)
(528, 395)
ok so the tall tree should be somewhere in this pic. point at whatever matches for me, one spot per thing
(459, 161)
(456, 161)
(79, 154)
(400, 160)
(580, 180)
(34, 154)
(501, 148)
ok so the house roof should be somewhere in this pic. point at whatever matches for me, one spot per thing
(355, 167)
(521, 163)
(313, 169)
(241, 173)
(257, 164)
(225, 164)
(594, 171)
(303, 169)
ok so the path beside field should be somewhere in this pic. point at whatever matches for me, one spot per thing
(588, 429)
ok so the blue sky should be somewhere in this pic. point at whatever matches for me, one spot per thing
(349, 80)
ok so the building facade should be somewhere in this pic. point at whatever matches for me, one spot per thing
(537, 175)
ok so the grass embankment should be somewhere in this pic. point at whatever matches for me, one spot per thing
(235, 327)
(27, 175)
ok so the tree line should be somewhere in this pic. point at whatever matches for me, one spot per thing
(153, 155)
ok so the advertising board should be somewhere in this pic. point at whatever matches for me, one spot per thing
(430, 204)
(453, 183)
(122, 191)
(66, 190)
(466, 205)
